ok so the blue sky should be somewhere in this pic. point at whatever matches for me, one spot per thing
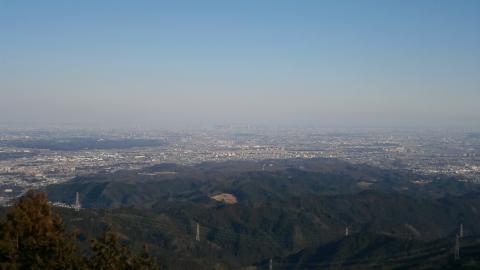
(179, 63)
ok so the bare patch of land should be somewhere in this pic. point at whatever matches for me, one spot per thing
(225, 197)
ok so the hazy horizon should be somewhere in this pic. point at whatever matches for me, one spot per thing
(275, 63)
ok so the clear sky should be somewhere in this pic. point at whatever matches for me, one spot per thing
(181, 63)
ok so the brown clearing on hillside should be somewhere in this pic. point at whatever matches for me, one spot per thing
(225, 197)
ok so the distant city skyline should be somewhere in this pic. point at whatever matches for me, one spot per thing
(277, 63)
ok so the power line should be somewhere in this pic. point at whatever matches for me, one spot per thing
(366, 262)
(266, 240)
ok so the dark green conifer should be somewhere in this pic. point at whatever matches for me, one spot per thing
(110, 254)
(33, 238)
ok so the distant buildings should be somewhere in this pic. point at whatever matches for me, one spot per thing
(428, 152)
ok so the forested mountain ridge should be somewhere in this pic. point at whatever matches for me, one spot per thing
(295, 212)
(251, 182)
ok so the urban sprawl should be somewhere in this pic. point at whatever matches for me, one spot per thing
(31, 159)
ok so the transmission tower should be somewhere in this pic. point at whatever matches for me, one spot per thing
(270, 264)
(457, 248)
(461, 230)
(346, 231)
(77, 202)
(197, 236)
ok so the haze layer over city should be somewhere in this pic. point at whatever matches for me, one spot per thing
(243, 134)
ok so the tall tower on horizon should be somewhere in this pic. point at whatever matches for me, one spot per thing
(77, 202)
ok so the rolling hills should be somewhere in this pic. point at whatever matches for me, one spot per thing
(293, 211)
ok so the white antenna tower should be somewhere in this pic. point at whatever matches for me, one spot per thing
(270, 264)
(346, 231)
(197, 236)
(77, 202)
(461, 230)
(457, 248)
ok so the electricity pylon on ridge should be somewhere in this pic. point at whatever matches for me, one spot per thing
(77, 202)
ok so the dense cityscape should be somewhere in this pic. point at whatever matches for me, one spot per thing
(31, 159)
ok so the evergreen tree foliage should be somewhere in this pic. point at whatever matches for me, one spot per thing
(144, 261)
(32, 237)
(110, 254)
